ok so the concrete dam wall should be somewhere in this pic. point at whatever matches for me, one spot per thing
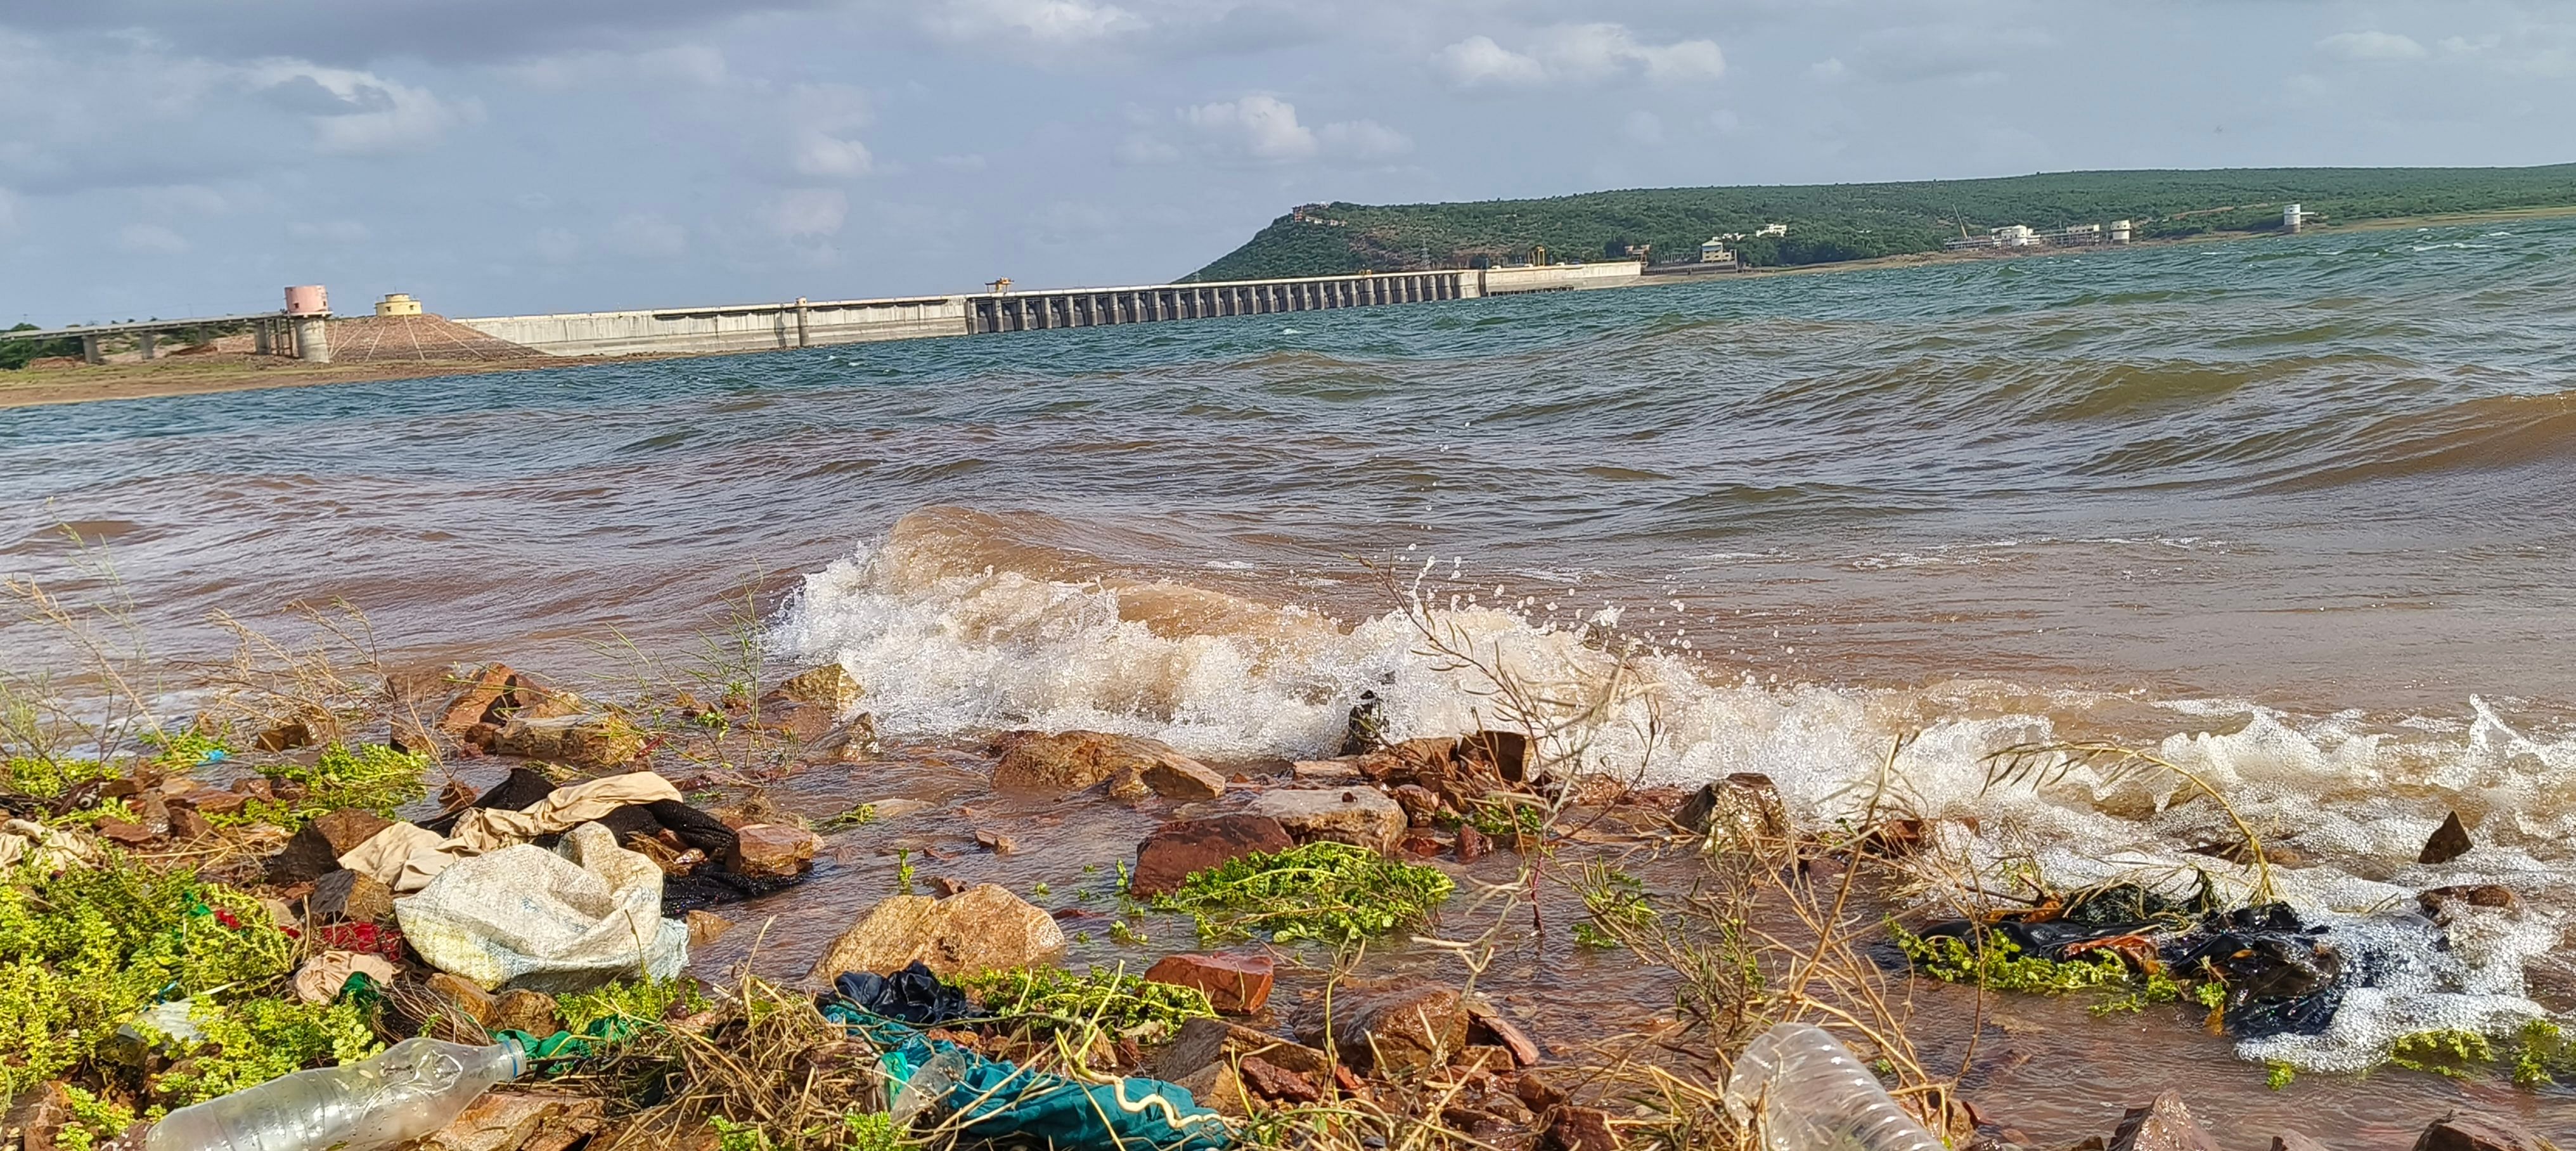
(808, 323)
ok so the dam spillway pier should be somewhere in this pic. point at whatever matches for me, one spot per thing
(1007, 311)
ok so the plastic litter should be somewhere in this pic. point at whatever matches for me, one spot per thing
(993, 1101)
(564, 920)
(410, 1090)
(913, 995)
(1803, 1091)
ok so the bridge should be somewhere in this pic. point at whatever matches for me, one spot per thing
(270, 330)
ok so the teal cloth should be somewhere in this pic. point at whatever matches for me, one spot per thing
(998, 1101)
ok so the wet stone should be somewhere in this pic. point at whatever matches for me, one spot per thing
(996, 842)
(2458, 1132)
(1580, 1129)
(315, 851)
(1361, 816)
(1234, 984)
(706, 927)
(981, 929)
(1394, 1030)
(771, 850)
(2450, 841)
(1177, 849)
(2163, 1125)
(1276, 1082)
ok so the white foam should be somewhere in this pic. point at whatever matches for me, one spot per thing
(942, 652)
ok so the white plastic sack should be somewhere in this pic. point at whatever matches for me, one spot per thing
(553, 921)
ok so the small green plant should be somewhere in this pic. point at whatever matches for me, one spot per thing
(903, 870)
(370, 776)
(1508, 821)
(732, 1136)
(182, 750)
(1333, 892)
(872, 1131)
(2448, 1051)
(1617, 903)
(252, 1041)
(2543, 1049)
(860, 816)
(1040, 890)
(44, 777)
(645, 1001)
(2212, 995)
(1051, 999)
(2157, 987)
(92, 1119)
(2000, 965)
(2278, 1075)
(1120, 931)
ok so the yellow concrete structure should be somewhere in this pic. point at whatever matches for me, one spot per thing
(398, 304)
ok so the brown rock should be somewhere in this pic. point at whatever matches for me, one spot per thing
(1536, 1093)
(706, 927)
(587, 741)
(530, 1011)
(1205, 1041)
(771, 849)
(253, 787)
(1363, 816)
(942, 886)
(1419, 803)
(187, 826)
(286, 736)
(829, 686)
(1177, 849)
(349, 897)
(474, 704)
(1235, 984)
(509, 1121)
(150, 810)
(1074, 760)
(1744, 809)
(1277, 1082)
(2475, 895)
(1418, 846)
(977, 930)
(1325, 771)
(1472, 844)
(123, 834)
(1398, 1029)
(801, 722)
(2450, 841)
(2457, 1132)
(1486, 1024)
(35, 1119)
(210, 802)
(1580, 1129)
(476, 1003)
(1177, 776)
(315, 851)
(996, 842)
(2163, 1125)
(2294, 1141)
(1218, 1088)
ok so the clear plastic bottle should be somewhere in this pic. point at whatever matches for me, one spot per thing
(927, 1088)
(1803, 1091)
(411, 1089)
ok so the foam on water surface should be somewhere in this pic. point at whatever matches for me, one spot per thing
(946, 647)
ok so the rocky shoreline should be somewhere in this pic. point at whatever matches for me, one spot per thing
(651, 825)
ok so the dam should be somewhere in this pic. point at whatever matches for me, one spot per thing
(801, 323)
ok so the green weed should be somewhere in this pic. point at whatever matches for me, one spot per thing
(1327, 891)
(1051, 999)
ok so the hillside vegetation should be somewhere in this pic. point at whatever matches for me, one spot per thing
(1829, 222)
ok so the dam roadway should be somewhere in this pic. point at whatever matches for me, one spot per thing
(812, 323)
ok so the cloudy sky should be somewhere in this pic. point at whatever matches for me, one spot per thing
(182, 157)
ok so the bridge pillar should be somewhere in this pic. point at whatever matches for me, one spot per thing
(89, 351)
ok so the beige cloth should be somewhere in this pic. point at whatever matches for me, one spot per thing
(54, 850)
(406, 857)
(553, 921)
(322, 977)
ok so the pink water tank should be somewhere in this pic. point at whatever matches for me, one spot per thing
(307, 300)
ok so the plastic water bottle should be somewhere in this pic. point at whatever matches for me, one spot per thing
(927, 1088)
(1804, 1092)
(410, 1090)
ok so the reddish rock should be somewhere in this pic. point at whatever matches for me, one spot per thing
(1177, 776)
(2294, 1141)
(210, 802)
(771, 849)
(1361, 816)
(706, 927)
(2450, 841)
(2475, 895)
(1419, 846)
(187, 826)
(474, 704)
(1472, 844)
(123, 834)
(1419, 803)
(530, 1011)
(35, 1119)
(1487, 1025)
(465, 995)
(1536, 1093)
(253, 787)
(1071, 761)
(996, 842)
(1176, 849)
(315, 851)
(1270, 1079)
(2163, 1125)
(286, 736)
(1235, 984)
(798, 721)
(349, 897)
(2457, 1132)
(1396, 1029)
(1580, 1129)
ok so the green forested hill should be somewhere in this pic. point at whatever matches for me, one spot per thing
(1854, 221)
